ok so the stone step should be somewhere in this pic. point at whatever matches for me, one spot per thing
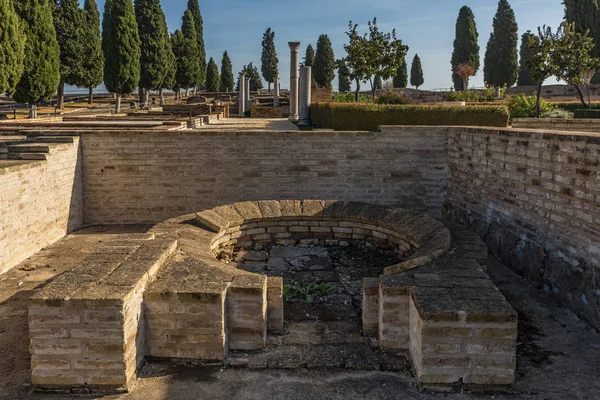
(50, 139)
(28, 148)
(22, 156)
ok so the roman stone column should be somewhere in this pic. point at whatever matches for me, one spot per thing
(294, 46)
(304, 93)
(242, 95)
(276, 95)
(247, 101)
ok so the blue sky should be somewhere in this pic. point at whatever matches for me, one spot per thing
(426, 26)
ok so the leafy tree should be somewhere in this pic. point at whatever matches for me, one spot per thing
(213, 80)
(269, 58)
(68, 23)
(586, 16)
(344, 83)
(323, 68)
(41, 66)
(92, 58)
(12, 47)
(309, 57)
(466, 48)
(540, 65)
(501, 66)
(378, 82)
(154, 35)
(121, 46)
(188, 64)
(525, 58)
(465, 72)
(199, 25)
(255, 81)
(227, 79)
(378, 54)
(416, 72)
(401, 78)
(572, 57)
(169, 81)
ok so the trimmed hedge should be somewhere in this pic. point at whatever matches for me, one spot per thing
(575, 105)
(367, 117)
(593, 114)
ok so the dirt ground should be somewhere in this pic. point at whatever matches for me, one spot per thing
(558, 354)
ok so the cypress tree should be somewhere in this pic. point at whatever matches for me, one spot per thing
(501, 66)
(121, 46)
(199, 25)
(213, 80)
(586, 16)
(255, 81)
(344, 82)
(93, 60)
(177, 46)
(68, 22)
(154, 59)
(12, 47)
(401, 78)
(170, 73)
(466, 48)
(269, 58)
(41, 68)
(188, 65)
(324, 66)
(227, 79)
(309, 57)
(416, 72)
(524, 60)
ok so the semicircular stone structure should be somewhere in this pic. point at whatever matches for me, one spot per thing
(175, 293)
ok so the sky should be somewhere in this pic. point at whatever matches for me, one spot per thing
(426, 26)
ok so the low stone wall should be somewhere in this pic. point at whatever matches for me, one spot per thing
(135, 177)
(558, 124)
(557, 92)
(40, 197)
(535, 198)
(268, 112)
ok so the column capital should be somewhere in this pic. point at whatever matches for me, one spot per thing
(294, 46)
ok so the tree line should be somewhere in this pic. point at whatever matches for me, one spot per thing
(46, 44)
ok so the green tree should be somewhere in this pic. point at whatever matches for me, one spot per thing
(344, 83)
(121, 46)
(68, 23)
(154, 36)
(572, 57)
(586, 16)
(12, 47)
(323, 68)
(188, 63)
(93, 60)
(524, 60)
(466, 48)
(178, 47)
(269, 58)
(416, 72)
(376, 54)
(41, 66)
(213, 80)
(169, 81)
(255, 81)
(540, 65)
(309, 57)
(227, 80)
(401, 78)
(501, 65)
(199, 25)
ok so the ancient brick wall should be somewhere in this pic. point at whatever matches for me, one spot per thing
(535, 198)
(132, 178)
(40, 201)
(558, 124)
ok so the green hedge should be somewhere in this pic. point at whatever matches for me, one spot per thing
(594, 114)
(575, 105)
(367, 117)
